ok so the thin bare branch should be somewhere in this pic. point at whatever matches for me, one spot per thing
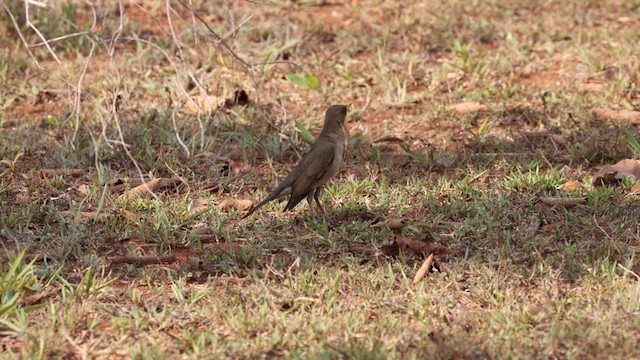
(22, 38)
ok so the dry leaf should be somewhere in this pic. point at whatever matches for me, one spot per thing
(84, 190)
(119, 184)
(236, 204)
(625, 19)
(635, 189)
(566, 202)
(204, 104)
(150, 186)
(420, 274)
(609, 174)
(391, 224)
(467, 107)
(454, 75)
(633, 116)
(570, 185)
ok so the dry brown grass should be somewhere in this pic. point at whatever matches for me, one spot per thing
(522, 278)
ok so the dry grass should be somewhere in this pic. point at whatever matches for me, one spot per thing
(523, 279)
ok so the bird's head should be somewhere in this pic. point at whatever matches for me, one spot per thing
(336, 113)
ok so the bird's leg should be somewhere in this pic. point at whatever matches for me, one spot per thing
(316, 196)
(310, 201)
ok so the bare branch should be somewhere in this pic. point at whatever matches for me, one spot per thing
(24, 41)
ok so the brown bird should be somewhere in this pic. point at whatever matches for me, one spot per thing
(317, 166)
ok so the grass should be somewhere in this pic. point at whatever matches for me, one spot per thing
(523, 279)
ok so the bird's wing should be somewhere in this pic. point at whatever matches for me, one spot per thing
(311, 169)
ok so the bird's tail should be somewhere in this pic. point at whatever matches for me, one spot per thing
(255, 208)
(274, 195)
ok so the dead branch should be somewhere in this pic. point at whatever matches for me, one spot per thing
(143, 260)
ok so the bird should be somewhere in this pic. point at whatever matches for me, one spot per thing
(317, 166)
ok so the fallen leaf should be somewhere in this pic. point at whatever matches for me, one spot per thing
(454, 75)
(625, 19)
(633, 116)
(236, 204)
(566, 202)
(570, 185)
(84, 190)
(635, 189)
(467, 107)
(610, 174)
(150, 186)
(420, 274)
(204, 104)
(391, 224)
(39, 297)
(119, 184)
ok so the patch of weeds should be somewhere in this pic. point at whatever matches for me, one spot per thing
(51, 22)
(19, 280)
(533, 179)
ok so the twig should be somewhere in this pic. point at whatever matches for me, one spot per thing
(35, 29)
(79, 95)
(36, 3)
(236, 27)
(192, 76)
(24, 41)
(220, 40)
(143, 260)
(175, 128)
(59, 38)
(125, 147)
(611, 241)
(630, 272)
